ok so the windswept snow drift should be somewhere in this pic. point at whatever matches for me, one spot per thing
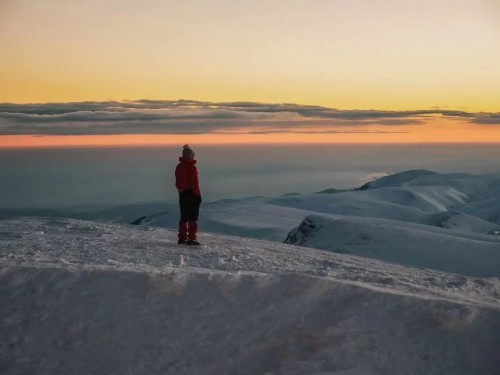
(81, 297)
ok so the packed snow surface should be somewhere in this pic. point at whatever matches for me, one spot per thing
(93, 298)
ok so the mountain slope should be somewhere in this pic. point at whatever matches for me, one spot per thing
(459, 201)
(414, 196)
(81, 297)
(406, 243)
(461, 221)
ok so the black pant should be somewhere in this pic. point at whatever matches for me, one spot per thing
(190, 206)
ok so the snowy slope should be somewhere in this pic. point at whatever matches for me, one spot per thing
(469, 184)
(402, 179)
(84, 297)
(461, 221)
(486, 209)
(247, 217)
(460, 201)
(406, 243)
(413, 196)
(115, 214)
(406, 196)
(463, 204)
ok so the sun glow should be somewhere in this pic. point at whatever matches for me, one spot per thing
(351, 55)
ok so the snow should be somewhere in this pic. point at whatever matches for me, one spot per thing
(418, 245)
(250, 217)
(392, 219)
(460, 203)
(486, 209)
(469, 184)
(411, 196)
(403, 178)
(461, 221)
(84, 297)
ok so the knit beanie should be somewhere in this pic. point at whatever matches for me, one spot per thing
(187, 152)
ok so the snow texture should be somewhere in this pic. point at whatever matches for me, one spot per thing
(84, 297)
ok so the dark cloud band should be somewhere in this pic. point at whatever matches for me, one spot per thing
(196, 117)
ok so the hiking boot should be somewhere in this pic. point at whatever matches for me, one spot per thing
(192, 242)
(181, 241)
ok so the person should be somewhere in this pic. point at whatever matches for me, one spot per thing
(187, 183)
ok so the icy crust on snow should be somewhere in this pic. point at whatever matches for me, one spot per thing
(82, 297)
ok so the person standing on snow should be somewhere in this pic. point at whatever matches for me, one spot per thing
(187, 183)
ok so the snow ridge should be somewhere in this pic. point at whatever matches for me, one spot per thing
(84, 297)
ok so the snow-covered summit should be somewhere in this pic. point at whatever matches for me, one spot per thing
(83, 297)
(400, 179)
(464, 182)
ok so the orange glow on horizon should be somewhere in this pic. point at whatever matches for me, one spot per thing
(436, 129)
(428, 135)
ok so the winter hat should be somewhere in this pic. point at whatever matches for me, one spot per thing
(187, 152)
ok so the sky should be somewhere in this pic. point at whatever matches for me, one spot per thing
(122, 72)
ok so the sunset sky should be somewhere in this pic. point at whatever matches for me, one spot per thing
(113, 72)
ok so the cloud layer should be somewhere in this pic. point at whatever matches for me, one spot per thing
(195, 117)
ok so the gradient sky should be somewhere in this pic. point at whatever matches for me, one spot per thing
(384, 55)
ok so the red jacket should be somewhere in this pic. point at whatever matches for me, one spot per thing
(186, 176)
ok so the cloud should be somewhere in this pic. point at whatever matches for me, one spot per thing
(486, 119)
(197, 117)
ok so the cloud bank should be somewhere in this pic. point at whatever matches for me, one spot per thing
(196, 117)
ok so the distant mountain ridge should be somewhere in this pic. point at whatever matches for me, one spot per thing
(398, 179)
(457, 204)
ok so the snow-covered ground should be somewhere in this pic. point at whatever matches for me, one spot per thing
(449, 222)
(466, 253)
(84, 297)
(463, 202)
